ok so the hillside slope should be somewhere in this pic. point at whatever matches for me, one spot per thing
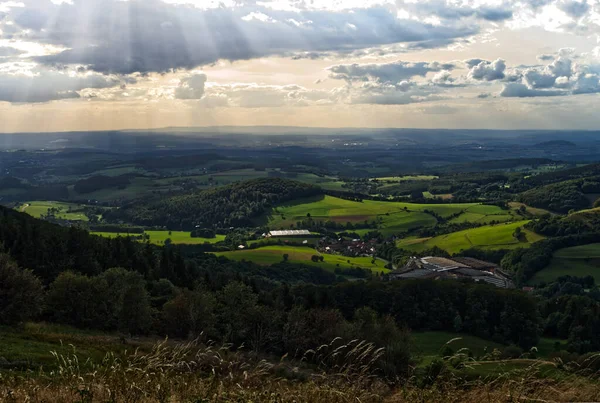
(231, 205)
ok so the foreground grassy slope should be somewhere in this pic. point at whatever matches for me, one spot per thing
(274, 254)
(577, 261)
(146, 372)
(498, 236)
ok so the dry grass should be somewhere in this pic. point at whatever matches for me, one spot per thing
(336, 372)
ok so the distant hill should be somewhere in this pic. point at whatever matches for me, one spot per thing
(555, 144)
(232, 205)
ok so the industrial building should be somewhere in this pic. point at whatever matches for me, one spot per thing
(288, 233)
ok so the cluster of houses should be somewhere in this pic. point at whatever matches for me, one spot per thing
(453, 268)
(350, 248)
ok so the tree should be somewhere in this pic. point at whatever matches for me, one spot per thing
(168, 241)
(237, 308)
(79, 300)
(135, 314)
(285, 257)
(21, 293)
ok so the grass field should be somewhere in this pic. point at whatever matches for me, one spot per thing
(30, 346)
(531, 210)
(498, 236)
(269, 255)
(429, 344)
(68, 211)
(394, 216)
(426, 346)
(159, 237)
(577, 261)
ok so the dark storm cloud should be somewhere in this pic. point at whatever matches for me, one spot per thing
(113, 36)
(47, 86)
(448, 11)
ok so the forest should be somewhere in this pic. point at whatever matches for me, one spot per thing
(232, 205)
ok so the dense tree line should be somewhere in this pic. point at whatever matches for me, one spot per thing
(99, 182)
(557, 226)
(561, 197)
(571, 308)
(232, 205)
(524, 263)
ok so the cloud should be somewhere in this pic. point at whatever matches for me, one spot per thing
(488, 71)
(450, 11)
(47, 85)
(545, 57)
(386, 72)
(6, 51)
(518, 90)
(123, 37)
(470, 63)
(575, 9)
(191, 87)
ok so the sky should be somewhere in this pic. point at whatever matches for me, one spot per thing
(70, 65)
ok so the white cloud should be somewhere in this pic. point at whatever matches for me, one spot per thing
(488, 71)
(386, 72)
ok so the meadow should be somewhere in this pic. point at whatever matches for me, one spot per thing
(498, 236)
(68, 211)
(393, 217)
(580, 261)
(269, 255)
(159, 237)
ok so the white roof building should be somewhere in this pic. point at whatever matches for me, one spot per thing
(290, 232)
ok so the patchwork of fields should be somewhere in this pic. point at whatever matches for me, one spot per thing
(577, 261)
(68, 211)
(498, 236)
(274, 254)
(394, 217)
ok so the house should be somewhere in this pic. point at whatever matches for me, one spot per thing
(453, 268)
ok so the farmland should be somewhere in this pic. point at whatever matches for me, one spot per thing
(274, 254)
(67, 211)
(159, 237)
(577, 261)
(498, 236)
(392, 217)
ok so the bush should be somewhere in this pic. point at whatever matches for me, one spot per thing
(512, 352)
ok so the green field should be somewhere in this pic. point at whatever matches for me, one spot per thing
(159, 237)
(579, 261)
(498, 236)
(68, 211)
(269, 255)
(429, 344)
(394, 216)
